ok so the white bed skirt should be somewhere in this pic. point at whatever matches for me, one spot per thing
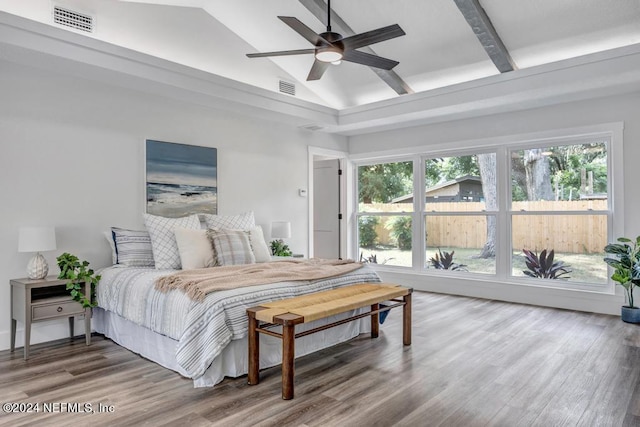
(232, 362)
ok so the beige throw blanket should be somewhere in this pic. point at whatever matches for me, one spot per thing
(198, 283)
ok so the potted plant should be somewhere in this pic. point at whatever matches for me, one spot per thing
(77, 274)
(625, 260)
(279, 248)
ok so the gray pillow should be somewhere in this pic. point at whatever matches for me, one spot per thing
(132, 247)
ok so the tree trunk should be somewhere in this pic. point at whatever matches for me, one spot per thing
(487, 166)
(538, 175)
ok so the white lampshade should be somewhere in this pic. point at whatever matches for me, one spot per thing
(36, 239)
(280, 230)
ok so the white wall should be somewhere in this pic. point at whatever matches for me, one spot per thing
(624, 109)
(72, 157)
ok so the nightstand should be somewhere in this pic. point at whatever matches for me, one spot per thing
(44, 299)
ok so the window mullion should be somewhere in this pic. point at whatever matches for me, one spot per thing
(418, 242)
(503, 218)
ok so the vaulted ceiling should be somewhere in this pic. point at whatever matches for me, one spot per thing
(446, 41)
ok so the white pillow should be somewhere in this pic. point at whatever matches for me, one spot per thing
(195, 248)
(163, 239)
(245, 221)
(259, 245)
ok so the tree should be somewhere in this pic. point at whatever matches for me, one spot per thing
(487, 167)
(538, 175)
(380, 183)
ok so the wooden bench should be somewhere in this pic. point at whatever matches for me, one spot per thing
(304, 309)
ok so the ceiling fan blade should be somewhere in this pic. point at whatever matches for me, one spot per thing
(368, 59)
(317, 70)
(373, 36)
(281, 53)
(303, 30)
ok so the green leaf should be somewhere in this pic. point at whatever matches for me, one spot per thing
(76, 273)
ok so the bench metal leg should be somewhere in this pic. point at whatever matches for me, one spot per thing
(375, 323)
(254, 350)
(406, 320)
(288, 360)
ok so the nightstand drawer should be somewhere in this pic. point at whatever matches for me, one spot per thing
(56, 310)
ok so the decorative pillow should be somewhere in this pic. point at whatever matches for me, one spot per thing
(163, 239)
(109, 236)
(231, 247)
(195, 248)
(259, 245)
(245, 221)
(132, 247)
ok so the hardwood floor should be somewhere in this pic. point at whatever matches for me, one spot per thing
(473, 362)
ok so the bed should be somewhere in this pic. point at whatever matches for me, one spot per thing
(203, 336)
(206, 341)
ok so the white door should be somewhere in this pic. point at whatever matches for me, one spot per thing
(326, 209)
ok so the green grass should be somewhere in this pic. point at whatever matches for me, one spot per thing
(588, 268)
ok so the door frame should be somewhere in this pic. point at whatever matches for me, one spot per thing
(342, 156)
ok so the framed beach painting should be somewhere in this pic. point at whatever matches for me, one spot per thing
(181, 179)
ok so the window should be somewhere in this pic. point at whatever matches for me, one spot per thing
(559, 204)
(538, 213)
(460, 205)
(385, 196)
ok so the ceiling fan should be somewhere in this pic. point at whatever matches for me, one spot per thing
(331, 47)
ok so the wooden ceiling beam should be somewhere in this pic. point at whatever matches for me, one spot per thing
(482, 27)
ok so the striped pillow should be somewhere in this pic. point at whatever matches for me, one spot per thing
(231, 247)
(133, 248)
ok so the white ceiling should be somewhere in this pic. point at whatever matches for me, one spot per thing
(438, 50)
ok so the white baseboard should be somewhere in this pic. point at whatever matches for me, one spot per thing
(592, 302)
(41, 332)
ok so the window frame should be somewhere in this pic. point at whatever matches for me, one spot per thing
(425, 213)
(612, 133)
(358, 214)
(511, 213)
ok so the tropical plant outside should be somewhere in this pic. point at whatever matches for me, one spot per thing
(444, 261)
(543, 266)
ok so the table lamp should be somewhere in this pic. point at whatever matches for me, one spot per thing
(37, 239)
(280, 230)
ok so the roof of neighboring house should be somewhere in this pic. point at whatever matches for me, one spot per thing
(465, 178)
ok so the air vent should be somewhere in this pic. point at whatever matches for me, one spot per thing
(69, 18)
(288, 88)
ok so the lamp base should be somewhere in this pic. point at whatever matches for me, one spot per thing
(37, 267)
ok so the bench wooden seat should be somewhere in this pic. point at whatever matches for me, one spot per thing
(304, 309)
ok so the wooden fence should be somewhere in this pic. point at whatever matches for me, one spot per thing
(563, 233)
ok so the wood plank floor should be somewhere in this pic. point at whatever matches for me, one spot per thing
(473, 362)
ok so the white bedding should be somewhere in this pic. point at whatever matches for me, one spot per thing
(198, 340)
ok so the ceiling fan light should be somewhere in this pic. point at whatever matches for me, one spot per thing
(329, 54)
